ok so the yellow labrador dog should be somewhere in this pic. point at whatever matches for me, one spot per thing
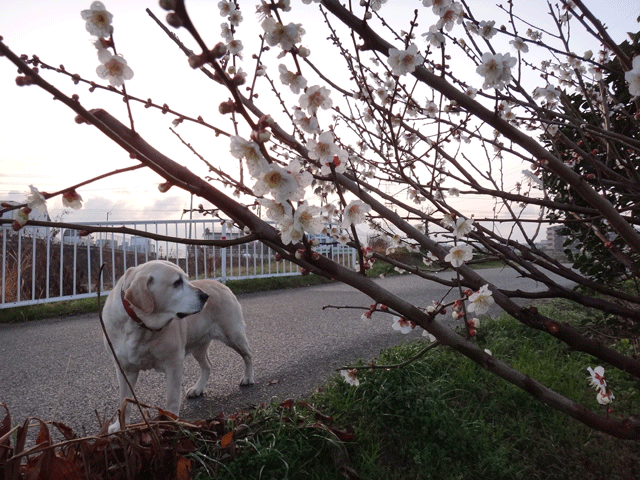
(154, 317)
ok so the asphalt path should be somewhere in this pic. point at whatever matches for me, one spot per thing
(58, 369)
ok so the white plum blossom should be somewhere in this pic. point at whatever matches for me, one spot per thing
(277, 181)
(487, 29)
(235, 18)
(235, 47)
(309, 218)
(72, 199)
(241, 148)
(534, 35)
(342, 238)
(481, 301)
(354, 213)
(520, 45)
(337, 163)
(447, 221)
(431, 109)
(532, 178)
(323, 149)
(458, 255)
(306, 219)
(277, 212)
(454, 192)
(471, 92)
(462, 227)
(434, 36)
(225, 31)
(316, 97)
(401, 325)
(437, 6)
(596, 379)
(308, 124)
(375, 5)
(404, 61)
(303, 178)
(474, 322)
(605, 397)
(98, 20)
(114, 68)
(295, 80)
(36, 201)
(350, 376)
(550, 93)
(226, 7)
(633, 77)
(449, 15)
(278, 34)
(496, 69)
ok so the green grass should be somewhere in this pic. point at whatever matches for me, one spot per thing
(444, 417)
(90, 305)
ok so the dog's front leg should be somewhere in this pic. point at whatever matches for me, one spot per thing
(173, 375)
(125, 392)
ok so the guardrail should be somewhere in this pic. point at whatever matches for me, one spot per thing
(48, 264)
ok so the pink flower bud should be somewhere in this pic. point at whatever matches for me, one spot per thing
(168, 4)
(196, 61)
(72, 199)
(227, 107)
(174, 20)
(219, 50)
(300, 253)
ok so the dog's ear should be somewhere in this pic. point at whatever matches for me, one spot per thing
(137, 293)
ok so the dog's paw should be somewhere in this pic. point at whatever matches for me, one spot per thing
(246, 382)
(194, 391)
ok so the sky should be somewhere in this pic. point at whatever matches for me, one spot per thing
(40, 143)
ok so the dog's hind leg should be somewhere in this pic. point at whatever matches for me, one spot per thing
(202, 357)
(240, 344)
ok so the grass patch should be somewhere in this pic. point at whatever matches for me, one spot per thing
(90, 305)
(49, 310)
(444, 417)
(275, 283)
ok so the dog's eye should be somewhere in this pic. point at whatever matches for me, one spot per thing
(177, 283)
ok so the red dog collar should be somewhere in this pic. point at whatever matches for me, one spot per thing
(129, 309)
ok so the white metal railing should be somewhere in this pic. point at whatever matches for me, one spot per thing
(48, 264)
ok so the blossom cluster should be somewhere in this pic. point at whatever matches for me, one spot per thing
(597, 380)
(286, 186)
(112, 67)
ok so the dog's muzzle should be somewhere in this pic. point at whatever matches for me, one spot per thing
(203, 297)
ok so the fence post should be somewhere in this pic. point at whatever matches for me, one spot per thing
(223, 254)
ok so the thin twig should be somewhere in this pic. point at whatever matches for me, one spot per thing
(373, 366)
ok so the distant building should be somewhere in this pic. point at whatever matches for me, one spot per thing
(555, 241)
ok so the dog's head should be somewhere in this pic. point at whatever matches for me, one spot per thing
(160, 291)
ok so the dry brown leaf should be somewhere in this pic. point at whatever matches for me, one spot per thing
(226, 439)
(183, 468)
